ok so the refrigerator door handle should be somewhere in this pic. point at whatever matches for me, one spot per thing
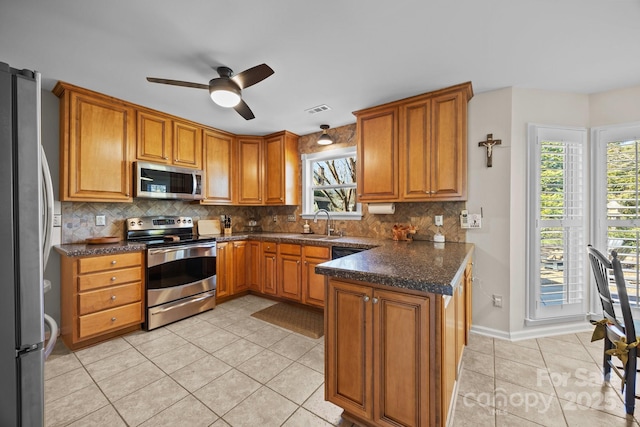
(47, 191)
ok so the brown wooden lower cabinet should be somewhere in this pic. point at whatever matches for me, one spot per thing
(313, 285)
(101, 297)
(269, 268)
(390, 356)
(379, 356)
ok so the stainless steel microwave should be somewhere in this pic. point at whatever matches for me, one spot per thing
(167, 182)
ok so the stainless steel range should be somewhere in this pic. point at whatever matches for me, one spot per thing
(181, 268)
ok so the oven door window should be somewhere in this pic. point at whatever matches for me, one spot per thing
(180, 272)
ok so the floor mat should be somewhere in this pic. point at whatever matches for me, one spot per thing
(303, 320)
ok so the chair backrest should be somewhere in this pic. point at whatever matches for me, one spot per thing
(625, 308)
(600, 266)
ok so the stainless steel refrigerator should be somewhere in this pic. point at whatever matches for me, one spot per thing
(21, 259)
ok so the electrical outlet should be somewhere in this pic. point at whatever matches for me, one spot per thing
(57, 220)
(291, 218)
(438, 220)
(275, 218)
(101, 220)
(497, 300)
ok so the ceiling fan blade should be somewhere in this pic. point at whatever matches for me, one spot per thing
(252, 75)
(177, 83)
(243, 109)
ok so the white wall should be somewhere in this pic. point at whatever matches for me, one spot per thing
(489, 189)
(614, 107)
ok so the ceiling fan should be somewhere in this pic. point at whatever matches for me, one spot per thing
(226, 90)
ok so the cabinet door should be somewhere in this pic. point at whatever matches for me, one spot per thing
(250, 171)
(349, 333)
(313, 285)
(415, 135)
(219, 168)
(459, 295)
(254, 266)
(401, 359)
(187, 145)
(154, 137)
(240, 282)
(448, 348)
(274, 170)
(448, 178)
(377, 155)
(98, 141)
(290, 277)
(224, 269)
(269, 273)
(468, 283)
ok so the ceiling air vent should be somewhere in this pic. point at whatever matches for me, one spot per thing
(318, 109)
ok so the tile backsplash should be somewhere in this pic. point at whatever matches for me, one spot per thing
(78, 219)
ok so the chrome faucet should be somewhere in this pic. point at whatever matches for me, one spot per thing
(315, 219)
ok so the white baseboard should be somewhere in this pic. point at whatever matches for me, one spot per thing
(531, 333)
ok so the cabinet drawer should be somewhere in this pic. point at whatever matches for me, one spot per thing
(269, 247)
(109, 278)
(109, 320)
(316, 252)
(115, 296)
(290, 249)
(109, 262)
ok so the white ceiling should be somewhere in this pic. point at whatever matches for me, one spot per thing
(348, 54)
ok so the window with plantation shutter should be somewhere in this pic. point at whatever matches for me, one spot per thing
(616, 159)
(557, 223)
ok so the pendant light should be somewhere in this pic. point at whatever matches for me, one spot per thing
(324, 139)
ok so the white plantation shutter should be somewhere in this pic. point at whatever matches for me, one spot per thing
(616, 161)
(557, 223)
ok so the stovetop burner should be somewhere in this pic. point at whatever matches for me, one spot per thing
(163, 231)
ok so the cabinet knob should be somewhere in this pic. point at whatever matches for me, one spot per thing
(375, 300)
(273, 258)
(366, 298)
(113, 262)
(127, 194)
(165, 158)
(280, 198)
(113, 319)
(113, 279)
(113, 297)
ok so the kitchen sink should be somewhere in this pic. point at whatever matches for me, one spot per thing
(319, 237)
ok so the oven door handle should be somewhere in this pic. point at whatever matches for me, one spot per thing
(182, 304)
(181, 248)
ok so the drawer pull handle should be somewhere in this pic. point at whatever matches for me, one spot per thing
(113, 279)
(366, 298)
(113, 297)
(113, 262)
(113, 319)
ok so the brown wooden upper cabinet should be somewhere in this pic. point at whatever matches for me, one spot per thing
(250, 175)
(219, 159)
(165, 140)
(415, 149)
(268, 169)
(97, 143)
(282, 170)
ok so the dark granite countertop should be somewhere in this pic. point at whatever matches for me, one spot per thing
(84, 249)
(418, 265)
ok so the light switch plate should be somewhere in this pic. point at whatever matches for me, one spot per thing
(291, 218)
(438, 220)
(101, 220)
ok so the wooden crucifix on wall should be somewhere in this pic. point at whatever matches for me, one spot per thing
(488, 144)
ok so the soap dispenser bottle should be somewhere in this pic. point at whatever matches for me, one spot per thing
(305, 228)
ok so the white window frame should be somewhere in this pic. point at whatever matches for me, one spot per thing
(307, 183)
(600, 137)
(538, 313)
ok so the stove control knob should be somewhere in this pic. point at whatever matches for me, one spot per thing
(140, 223)
(178, 220)
(132, 223)
(189, 220)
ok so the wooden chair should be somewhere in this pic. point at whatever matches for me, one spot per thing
(615, 329)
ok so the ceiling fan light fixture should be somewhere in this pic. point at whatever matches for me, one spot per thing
(224, 92)
(325, 139)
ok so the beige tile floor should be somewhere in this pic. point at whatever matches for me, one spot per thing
(225, 368)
